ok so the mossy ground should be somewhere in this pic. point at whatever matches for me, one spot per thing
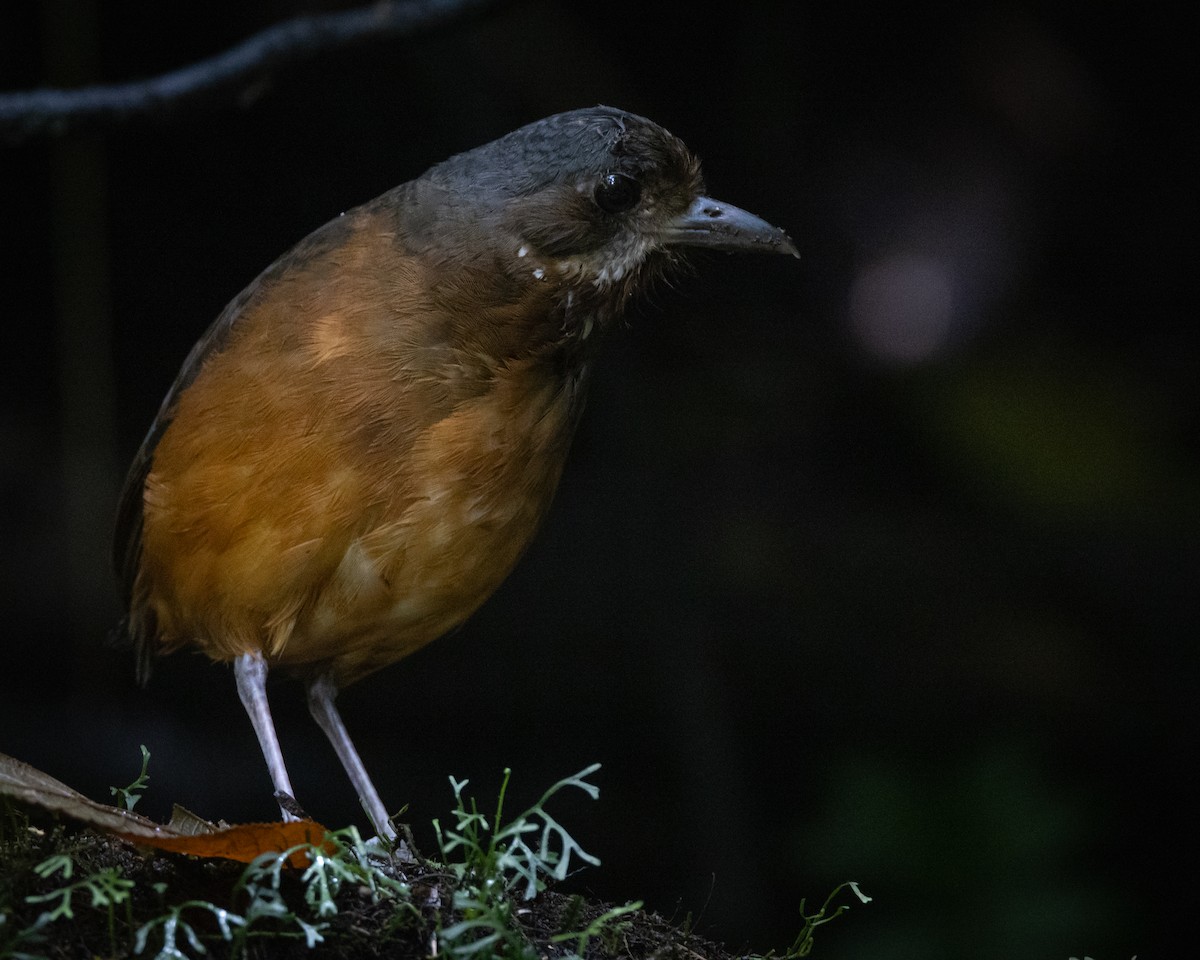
(363, 927)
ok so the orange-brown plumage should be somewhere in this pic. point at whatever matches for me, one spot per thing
(330, 490)
(359, 450)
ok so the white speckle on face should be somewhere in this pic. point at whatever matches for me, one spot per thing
(523, 251)
(539, 273)
(588, 322)
(610, 265)
(610, 273)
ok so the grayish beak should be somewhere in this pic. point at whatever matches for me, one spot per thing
(722, 226)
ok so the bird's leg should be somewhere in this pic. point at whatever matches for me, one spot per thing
(321, 694)
(250, 669)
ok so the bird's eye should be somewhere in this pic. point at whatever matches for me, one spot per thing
(617, 193)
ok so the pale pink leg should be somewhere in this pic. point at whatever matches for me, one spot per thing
(321, 694)
(251, 672)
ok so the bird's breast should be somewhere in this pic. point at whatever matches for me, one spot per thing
(464, 504)
(334, 533)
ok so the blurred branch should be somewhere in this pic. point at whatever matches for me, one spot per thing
(227, 75)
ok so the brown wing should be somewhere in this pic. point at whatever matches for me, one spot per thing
(137, 625)
(127, 536)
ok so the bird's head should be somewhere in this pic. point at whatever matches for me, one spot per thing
(593, 202)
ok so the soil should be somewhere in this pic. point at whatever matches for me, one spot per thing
(362, 929)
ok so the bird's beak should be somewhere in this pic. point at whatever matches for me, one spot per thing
(722, 226)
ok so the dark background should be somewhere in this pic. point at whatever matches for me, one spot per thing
(876, 566)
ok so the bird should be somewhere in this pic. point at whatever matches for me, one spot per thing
(357, 452)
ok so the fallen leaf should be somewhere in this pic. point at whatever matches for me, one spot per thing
(186, 833)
